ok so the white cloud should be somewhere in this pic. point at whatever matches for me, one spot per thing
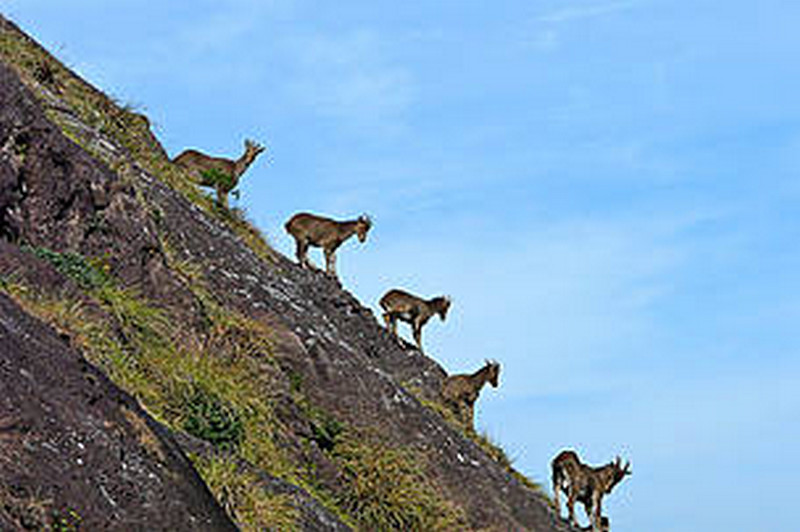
(546, 35)
(572, 13)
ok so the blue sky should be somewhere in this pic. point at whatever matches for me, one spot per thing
(607, 188)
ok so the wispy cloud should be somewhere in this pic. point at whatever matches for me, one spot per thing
(570, 13)
(545, 34)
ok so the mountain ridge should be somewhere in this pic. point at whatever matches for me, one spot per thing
(184, 285)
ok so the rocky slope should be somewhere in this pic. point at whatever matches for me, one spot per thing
(295, 406)
(78, 451)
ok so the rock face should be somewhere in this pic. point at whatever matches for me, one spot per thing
(71, 442)
(76, 450)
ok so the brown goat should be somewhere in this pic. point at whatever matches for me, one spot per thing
(318, 231)
(460, 392)
(202, 168)
(585, 484)
(400, 305)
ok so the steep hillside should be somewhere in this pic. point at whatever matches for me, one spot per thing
(296, 408)
(77, 451)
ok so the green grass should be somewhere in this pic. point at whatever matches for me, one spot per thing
(247, 503)
(223, 382)
(216, 178)
(88, 273)
(211, 418)
(387, 488)
(220, 387)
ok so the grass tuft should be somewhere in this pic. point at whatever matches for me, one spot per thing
(212, 419)
(218, 179)
(387, 488)
(246, 502)
(88, 273)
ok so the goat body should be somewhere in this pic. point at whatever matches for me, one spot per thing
(201, 167)
(585, 484)
(460, 392)
(318, 231)
(400, 305)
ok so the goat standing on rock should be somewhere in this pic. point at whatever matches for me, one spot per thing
(460, 392)
(218, 172)
(318, 231)
(585, 484)
(400, 305)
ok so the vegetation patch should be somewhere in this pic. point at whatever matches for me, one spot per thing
(88, 273)
(239, 492)
(218, 179)
(326, 431)
(212, 419)
(387, 488)
(67, 520)
(33, 511)
(216, 388)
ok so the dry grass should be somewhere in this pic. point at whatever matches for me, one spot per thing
(245, 501)
(234, 363)
(145, 435)
(387, 488)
